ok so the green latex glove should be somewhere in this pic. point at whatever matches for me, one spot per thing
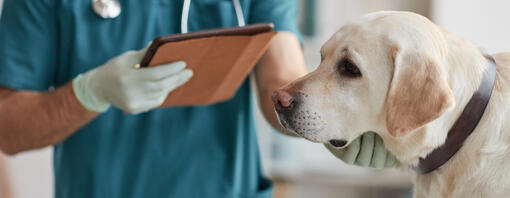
(133, 90)
(367, 150)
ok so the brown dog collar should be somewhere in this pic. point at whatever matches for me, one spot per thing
(465, 124)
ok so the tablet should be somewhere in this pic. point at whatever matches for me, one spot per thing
(221, 59)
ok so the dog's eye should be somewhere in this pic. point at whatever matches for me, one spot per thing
(347, 68)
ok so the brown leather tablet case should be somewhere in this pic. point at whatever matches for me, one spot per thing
(221, 59)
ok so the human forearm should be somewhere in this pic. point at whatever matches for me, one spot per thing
(281, 64)
(30, 120)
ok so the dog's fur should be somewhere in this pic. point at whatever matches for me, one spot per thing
(416, 80)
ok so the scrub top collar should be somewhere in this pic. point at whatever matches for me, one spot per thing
(110, 9)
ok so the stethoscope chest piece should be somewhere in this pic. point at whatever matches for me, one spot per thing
(107, 9)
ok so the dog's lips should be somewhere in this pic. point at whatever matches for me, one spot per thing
(285, 125)
(303, 123)
(299, 133)
(283, 122)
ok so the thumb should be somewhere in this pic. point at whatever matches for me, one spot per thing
(141, 53)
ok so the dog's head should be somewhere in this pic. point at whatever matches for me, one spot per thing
(383, 73)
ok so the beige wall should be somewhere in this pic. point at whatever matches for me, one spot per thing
(332, 14)
(483, 22)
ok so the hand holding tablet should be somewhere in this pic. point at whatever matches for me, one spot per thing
(221, 59)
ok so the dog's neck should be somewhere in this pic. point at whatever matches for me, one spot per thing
(481, 165)
(465, 124)
(466, 67)
(486, 146)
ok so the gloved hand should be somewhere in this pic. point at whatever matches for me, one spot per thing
(133, 90)
(367, 150)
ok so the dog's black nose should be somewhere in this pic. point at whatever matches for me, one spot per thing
(338, 143)
(283, 100)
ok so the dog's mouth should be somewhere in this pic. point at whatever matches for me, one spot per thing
(308, 130)
(304, 124)
(296, 130)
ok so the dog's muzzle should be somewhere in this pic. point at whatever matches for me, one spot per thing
(296, 117)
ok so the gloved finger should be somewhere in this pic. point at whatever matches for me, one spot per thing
(161, 71)
(167, 84)
(147, 104)
(390, 160)
(141, 53)
(131, 58)
(140, 110)
(380, 152)
(178, 79)
(157, 96)
(367, 149)
(127, 59)
(339, 153)
(155, 99)
(352, 151)
(143, 109)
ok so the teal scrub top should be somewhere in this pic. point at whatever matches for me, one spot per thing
(199, 151)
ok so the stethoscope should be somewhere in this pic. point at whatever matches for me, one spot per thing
(109, 9)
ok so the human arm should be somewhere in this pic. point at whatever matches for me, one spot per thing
(28, 60)
(282, 63)
(31, 119)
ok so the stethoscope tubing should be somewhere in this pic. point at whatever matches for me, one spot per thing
(185, 14)
(110, 9)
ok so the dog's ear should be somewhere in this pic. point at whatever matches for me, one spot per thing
(419, 93)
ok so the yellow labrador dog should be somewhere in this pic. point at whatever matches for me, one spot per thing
(409, 80)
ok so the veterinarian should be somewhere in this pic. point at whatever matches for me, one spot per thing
(68, 79)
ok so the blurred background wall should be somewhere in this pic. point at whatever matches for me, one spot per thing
(486, 23)
(299, 168)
